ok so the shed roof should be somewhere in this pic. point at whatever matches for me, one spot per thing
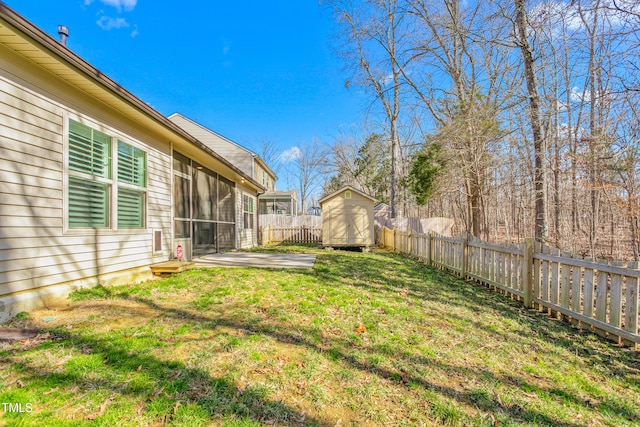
(343, 189)
(29, 41)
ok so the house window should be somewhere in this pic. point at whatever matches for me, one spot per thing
(89, 177)
(88, 203)
(91, 185)
(132, 181)
(247, 209)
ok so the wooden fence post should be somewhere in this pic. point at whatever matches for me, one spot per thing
(527, 265)
(615, 311)
(465, 255)
(409, 243)
(429, 235)
(631, 308)
(537, 247)
(394, 238)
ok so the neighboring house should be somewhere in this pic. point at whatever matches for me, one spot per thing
(314, 211)
(245, 160)
(96, 185)
(382, 210)
(278, 203)
(241, 157)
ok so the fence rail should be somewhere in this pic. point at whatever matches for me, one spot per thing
(301, 234)
(599, 296)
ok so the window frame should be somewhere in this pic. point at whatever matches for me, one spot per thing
(248, 211)
(112, 183)
(127, 187)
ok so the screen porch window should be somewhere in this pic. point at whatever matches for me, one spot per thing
(92, 189)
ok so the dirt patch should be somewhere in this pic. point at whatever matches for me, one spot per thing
(103, 315)
(16, 334)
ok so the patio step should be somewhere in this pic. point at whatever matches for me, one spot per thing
(171, 267)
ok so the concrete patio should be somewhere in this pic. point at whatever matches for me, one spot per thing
(259, 260)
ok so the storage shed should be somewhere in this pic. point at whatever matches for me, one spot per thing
(347, 219)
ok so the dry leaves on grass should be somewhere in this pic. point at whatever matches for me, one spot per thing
(102, 409)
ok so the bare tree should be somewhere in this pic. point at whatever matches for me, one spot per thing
(270, 153)
(466, 98)
(539, 147)
(307, 166)
(532, 105)
(372, 32)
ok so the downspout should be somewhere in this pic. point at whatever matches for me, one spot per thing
(172, 228)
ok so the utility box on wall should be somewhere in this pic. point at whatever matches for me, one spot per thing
(182, 249)
(347, 219)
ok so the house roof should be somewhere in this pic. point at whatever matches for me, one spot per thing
(30, 42)
(253, 155)
(343, 189)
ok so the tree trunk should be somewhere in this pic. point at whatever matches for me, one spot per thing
(540, 172)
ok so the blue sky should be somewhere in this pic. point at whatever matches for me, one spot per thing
(248, 69)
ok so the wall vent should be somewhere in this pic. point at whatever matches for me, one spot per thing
(157, 241)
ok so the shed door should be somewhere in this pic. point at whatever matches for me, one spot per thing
(339, 227)
(348, 225)
(356, 225)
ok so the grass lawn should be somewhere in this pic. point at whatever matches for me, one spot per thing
(362, 339)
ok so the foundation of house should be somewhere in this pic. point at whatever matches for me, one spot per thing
(57, 296)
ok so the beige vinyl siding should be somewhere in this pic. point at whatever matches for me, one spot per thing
(247, 238)
(233, 153)
(36, 250)
(260, 174)
(159, 195)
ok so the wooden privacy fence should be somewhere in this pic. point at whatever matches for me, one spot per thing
(284, 221)
(302, 234)
(599, 296)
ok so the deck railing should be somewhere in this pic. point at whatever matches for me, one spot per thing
(592, 294)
